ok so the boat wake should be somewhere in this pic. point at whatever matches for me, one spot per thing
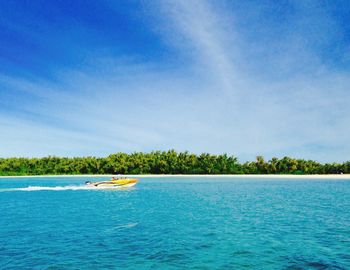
(58, 188)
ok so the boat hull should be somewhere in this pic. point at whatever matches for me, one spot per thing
(114, 184)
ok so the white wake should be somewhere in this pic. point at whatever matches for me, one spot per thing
(58, 188)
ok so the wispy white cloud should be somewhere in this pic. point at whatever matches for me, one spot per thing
(200, 29)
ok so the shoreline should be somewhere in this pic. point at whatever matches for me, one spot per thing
(274, 176)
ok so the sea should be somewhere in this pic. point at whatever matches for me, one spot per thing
(175, 223)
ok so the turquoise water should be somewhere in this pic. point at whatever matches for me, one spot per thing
(175, 223)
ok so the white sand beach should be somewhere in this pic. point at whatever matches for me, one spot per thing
(262, 176)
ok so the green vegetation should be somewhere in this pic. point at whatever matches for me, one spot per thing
(168, 162)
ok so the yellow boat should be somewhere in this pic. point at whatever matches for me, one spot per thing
(114, 183)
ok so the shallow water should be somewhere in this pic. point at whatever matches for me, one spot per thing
(175, 223)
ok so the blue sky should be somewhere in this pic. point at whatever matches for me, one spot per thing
(246, 78)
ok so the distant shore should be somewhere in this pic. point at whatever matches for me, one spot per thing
(275, 176)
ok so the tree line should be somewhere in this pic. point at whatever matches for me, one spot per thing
(165, 162)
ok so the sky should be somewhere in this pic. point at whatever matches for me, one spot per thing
(246, 78)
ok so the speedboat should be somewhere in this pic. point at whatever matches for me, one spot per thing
(114, 183)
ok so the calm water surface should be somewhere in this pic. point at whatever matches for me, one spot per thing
(175, 223)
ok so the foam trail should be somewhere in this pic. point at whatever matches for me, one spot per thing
(57, 188)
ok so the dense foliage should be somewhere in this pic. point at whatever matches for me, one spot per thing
(169, 162)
